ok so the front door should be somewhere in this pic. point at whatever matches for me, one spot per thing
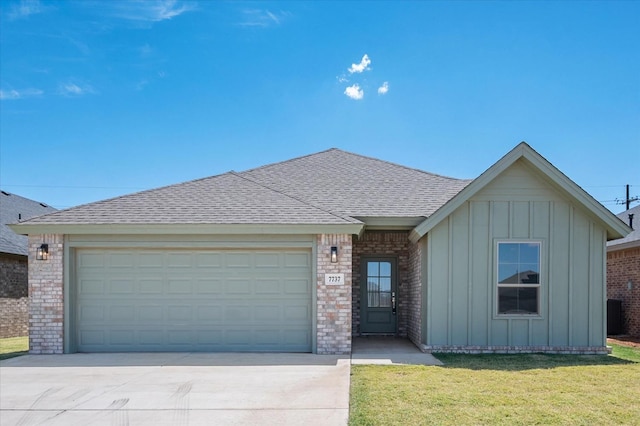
(378, 295)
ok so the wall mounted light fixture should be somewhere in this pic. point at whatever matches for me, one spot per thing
(334, 254)
(629, 285)
(42, 252)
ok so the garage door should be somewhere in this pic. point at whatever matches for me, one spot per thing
(148, 300)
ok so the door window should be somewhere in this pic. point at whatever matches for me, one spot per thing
(379, 284)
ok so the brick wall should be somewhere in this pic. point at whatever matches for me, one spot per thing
(334, 301)
(46, 308)
(13, 276)
(14, 317)
(14, 303)
(390, 244)
(414, 294)
(624, 266)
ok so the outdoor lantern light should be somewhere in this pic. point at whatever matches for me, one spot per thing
(42, 253)
(334, 254)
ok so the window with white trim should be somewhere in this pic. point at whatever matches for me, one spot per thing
(519, 278)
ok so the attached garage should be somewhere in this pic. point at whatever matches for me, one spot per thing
(192, 300)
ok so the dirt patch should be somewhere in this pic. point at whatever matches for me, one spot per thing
(631, 341)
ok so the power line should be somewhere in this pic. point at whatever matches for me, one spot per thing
(71, 187)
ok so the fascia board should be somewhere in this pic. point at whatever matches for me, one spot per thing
(623, 246)
(186, 229)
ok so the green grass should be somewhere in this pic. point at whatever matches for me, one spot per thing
(501, 389)
(13, 346)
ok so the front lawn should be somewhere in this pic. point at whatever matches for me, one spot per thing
(13, 346)
(501, 389)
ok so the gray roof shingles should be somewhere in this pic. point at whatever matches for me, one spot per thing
(223, 199)
(330, 187)
(13, 208)
(359, 186)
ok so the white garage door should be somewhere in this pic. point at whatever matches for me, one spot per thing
(161, 300)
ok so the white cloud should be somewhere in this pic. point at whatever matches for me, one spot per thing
(25, 8)
(354, 92)
(382, 90)
(151, 10)
(262, 18)
(73, 89)
(362, 66)
(19, 94)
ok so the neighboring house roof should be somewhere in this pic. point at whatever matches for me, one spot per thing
(557, 179)
(12, 209)
(631, 240)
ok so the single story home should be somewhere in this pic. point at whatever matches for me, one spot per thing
(303, 255)
(14, 284)
(623, 272)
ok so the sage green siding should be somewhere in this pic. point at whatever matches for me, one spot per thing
(461, 293)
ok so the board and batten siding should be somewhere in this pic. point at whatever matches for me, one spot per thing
(461, 290)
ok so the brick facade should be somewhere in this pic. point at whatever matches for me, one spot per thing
(14, 301)
(334, 301)
(384, 244)
(46, 285)
(623, 267)
(414, 294)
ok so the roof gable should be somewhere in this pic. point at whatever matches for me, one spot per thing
(615, 228)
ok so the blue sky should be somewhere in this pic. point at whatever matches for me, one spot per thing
(100, 99)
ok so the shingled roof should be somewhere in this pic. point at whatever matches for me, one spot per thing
(359, 186)
(224, 199)
(12, 209)
(332, 187)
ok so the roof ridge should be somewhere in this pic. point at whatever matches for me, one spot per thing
(287, 161)
(346, 218)
(356, 155)
(400, 165)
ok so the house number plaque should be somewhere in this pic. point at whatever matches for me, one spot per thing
(334, 279)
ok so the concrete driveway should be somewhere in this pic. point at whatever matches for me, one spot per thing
(175, 389)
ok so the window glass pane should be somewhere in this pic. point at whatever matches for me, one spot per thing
(374, 300)
(528, 300)
(385, 269)
(372, 269)
(530, 274)
(385, 299)
(517, 300)
(373, 285)
(508, 252)
(385, 284)
(529, 253)
(508, 274)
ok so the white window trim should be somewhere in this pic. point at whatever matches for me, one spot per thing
(497, 285)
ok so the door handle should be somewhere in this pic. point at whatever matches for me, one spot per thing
(393, 302)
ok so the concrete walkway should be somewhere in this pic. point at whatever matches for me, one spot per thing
(175, 389)
(388, 350)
